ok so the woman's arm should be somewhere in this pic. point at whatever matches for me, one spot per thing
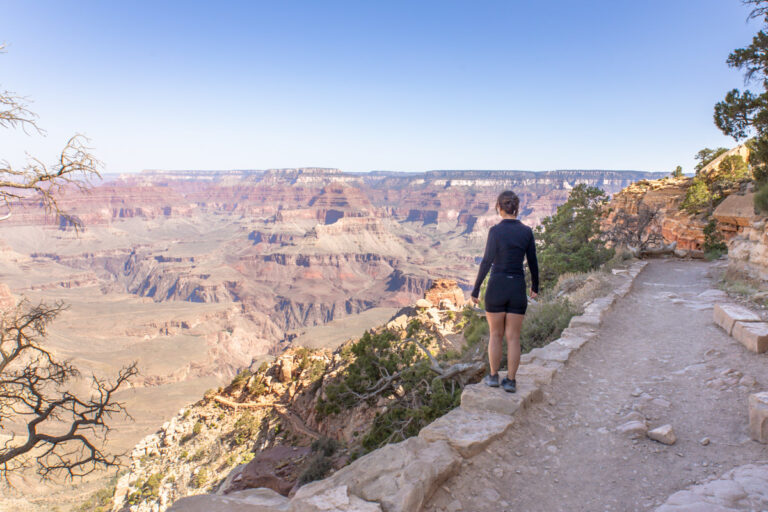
(485, 265)
(533, 264)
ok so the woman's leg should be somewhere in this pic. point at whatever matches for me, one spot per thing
(513, 325)
(496, 328)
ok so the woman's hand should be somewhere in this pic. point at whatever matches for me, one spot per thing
(534, 294)
(474, 300)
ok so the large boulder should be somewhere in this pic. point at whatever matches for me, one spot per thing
(401, 477)
(274, 468)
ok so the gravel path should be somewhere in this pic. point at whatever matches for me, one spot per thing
(658, 353)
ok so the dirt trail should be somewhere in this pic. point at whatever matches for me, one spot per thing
(658, 353)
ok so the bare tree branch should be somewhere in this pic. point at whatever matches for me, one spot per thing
(641, 231)
(65, 433)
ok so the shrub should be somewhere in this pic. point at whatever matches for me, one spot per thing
(147, 490)
(247, 457)
(316, 468)
(544, 323)
(761, 198)
(101, 500)
(697, 197)
(241, 378)
(475, 327)
(325, 445)
(714, 245)
(199, 455)
(197, 428)
(200, 478)
(569, 240)
(246, 427)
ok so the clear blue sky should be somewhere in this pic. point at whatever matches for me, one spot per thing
(361, 85)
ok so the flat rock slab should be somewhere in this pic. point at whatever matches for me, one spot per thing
(550, 352)
(753, 335)
(400, 476)
(540, 375)
(249, 500)
(726, 315)
(585, 321)
(572, 343)
(758, 416)
(336, 499)
(468, 432)
(479, 397)
(742, 488)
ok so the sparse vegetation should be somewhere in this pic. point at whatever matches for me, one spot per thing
(246, 428)
(761, 198)
(101, 500)
(318, 465)
(714, 244)
(146, 490)
(544, 322)
(200, 478)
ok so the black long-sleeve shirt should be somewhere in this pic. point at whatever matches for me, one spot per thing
(508, 242)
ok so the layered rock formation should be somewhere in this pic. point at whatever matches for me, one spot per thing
(737, 222)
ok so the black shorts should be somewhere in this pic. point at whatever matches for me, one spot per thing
(506, 294)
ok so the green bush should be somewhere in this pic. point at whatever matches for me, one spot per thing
(569, 240)
(246, 428)
(697, 197)
(101, 500)
(241, 378)
(197, 428)
(714, 245)
(761, 198)
(325, 445)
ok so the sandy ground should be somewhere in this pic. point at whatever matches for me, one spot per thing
(658, 353)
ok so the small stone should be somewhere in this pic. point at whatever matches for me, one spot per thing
(423, 303)
(552, 448)
(704, 441)
(664, 434)
(633, 428)
(498, 472)
(637, 392)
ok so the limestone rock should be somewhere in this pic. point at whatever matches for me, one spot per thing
(286, 370)
(551, 352)
(250, 500)
(400, 476)
(479, 397)
(664, 434)
(753, 335)
(737, 210)
(336, 499)
(540, 375)
(758, 417)
(585, 320)
(726, 315)
(468, 432)
(423, 303)
(633, 428)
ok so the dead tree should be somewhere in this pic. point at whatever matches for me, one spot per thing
(74, 167)
(57, 431)
(640, 232)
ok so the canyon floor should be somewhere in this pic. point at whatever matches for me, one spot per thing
(658, 353)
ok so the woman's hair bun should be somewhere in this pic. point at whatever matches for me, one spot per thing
(508, 202)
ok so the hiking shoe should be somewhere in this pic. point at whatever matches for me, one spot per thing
(492, 380)
(510, 386)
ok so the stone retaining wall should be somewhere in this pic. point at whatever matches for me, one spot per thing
(401, 477)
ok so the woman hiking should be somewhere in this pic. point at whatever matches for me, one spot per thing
(505, 301)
